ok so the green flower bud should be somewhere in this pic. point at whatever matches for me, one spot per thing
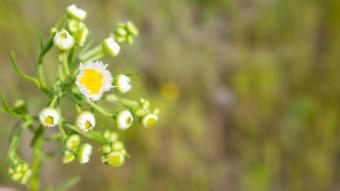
(68, 157)
(121, 32)
(53, 31)
(117, 146)
(20, 104)
(129, 39)
(16, 176)
(24, 166)
(81, 36)
(120, 39)
(140, 112)
(115, 159)
(25, 176)
(113, 137)
(156, 111)
(72, 26)
(106, 149)
(132, 28)
(72, 142)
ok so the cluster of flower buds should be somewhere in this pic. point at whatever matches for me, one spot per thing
(125, 32)
(76, 150)
(114, 154)
(19, 171)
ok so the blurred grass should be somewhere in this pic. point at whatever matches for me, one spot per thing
(248, 92)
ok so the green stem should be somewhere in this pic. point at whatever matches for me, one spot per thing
(89, 135)
(95, 106)
(86, 56)
(61, 125)
(44, 50)
(15, 65)
(116, 99)
(65, 64)
(36, 160)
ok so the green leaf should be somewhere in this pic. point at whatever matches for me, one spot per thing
(68, 184)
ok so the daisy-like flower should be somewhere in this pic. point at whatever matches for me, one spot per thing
(49, 117)
(115, 159)
(123, 83)
(63, 40)
(86, 121)
(93, 80)
(111, 47)
(84, 153)
(149, 120)
(74, 12)
(124, 119)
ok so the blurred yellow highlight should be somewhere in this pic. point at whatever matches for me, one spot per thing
(170, 91)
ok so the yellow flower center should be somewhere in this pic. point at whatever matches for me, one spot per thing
(150, 122)
(49, 120)
(63, 35)
(88, 125)
(114, 160)
(128, 120)
(92, 80)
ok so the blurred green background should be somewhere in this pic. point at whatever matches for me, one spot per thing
(248, 91)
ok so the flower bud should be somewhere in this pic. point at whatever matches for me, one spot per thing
(124, 119)
(68, 157)
(115, 159)
(25, 176)
(63, 40)
(149, 120)
(53, 31)
(121, 32)
(111, 47)
(106, 149)
(123, 83)
(20, 104)
(84, 153)
(132, 28)
(117, 146)
(81, 36)
(76, 13)
(72, 142)
(86, 121)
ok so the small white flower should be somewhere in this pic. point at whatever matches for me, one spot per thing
(93, 80)
(123, 83)
(74, 12)
(86, 121)
(124, 119)
(115, 159)
(149, 120)
(84, 153)
(111, 47)
(63, 40)
(49, 117)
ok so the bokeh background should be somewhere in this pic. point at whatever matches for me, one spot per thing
(248, 91)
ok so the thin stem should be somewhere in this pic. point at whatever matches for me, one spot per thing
(36, 160)
(44, 50)
(89, 135)
(116, 99)
(15, 65)
(61, 125)
(95, 106)
(86, 56)
(65, 64)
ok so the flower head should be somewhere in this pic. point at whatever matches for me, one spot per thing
(111, 47)
(149, 120)
(68, 157)
(74, 12)
(84, 153)
(123, 83)
(115, 159)
(93, 79)
(63, 40)
(86, 121)
(49, 117)
(124, 119)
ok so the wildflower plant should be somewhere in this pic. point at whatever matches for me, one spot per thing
(84, 79)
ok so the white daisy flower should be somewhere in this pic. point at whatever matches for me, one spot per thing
(124, 119)
(149, 120)
(111, 47)
(115, 159)
(84, 153)
(63, 40)
(49, 117)
(123, 83)
(86, 121)
(93, 80)
(74, 12)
